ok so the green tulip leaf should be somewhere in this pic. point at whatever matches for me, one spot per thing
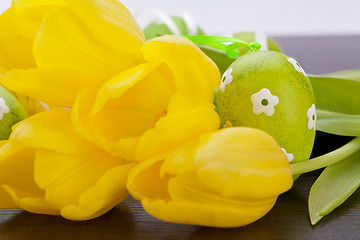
(338, 123)
(335, 184)
(336, 94)
(218, 56)
(348, 74)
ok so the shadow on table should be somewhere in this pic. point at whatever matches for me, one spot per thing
(116, 224)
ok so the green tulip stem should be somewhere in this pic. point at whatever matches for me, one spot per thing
(326, 159)
(218, 42)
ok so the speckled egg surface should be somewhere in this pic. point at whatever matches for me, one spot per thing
(11, 112)
(270, 91)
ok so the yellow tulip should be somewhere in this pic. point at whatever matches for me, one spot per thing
(47, 167)
(229, 178)
(52, 49)
(154, 107)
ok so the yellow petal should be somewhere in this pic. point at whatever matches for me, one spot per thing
(65, 41)
(65, 177)
(16, 52)
(2, 70)
(194, 72)
(12, 156)
(5, 200)
(50, 130)
(124, 148)
(113, 24)
(259, 168)
(181, 102)
(110, 129)
(187, 188)
(51, 85)
(16, 42)
(176, 129)
(180, 160)
(12, 23)
(109, 190)
(30, 202)
(144, 181)
(19, 181)
(40, 84)
(153, 82)
(102, 16)
(35, 10)
(199, 214)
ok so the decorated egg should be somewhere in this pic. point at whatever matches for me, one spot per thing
(11, 112)
(270, 91)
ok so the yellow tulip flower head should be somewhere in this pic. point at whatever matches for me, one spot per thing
(47, 167)
(155, 106)
(51, 49)
(228, 178)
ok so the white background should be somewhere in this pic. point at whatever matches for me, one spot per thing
(276, 17)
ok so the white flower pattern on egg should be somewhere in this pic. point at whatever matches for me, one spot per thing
(226, 79)
(297, 66)
(3, 108)
(264, 102)
(311, 113)
(289, 156)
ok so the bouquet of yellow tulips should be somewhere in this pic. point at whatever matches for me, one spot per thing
(98, 112)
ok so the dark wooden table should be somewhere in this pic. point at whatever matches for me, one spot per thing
(287, 220)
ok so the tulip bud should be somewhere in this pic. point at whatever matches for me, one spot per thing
(229, 178)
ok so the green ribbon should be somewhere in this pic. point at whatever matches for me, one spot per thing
(217, 42)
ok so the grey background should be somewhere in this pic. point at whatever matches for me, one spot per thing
(274, 17)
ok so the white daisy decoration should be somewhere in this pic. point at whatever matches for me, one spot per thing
(226, 79)
(289, 156)
(297, 66)
(264, 102)
(311, 113)
(3, 108)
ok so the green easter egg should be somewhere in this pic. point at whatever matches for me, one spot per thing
(270, 91)
(158, 27)
(11, 112)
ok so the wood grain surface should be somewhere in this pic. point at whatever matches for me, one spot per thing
(287, 220)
